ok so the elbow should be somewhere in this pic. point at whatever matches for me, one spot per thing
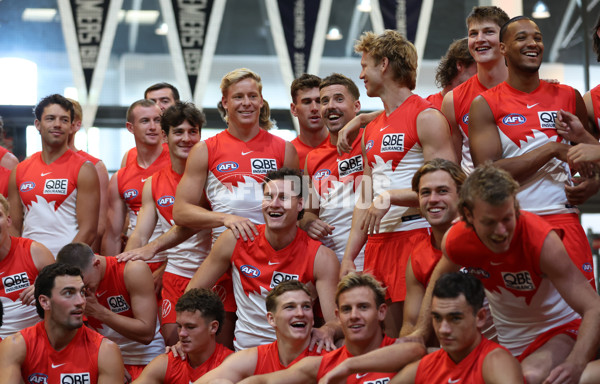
(146, 338)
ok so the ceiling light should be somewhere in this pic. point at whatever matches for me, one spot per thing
(334, 34)
(364, 6)
(540, 10)
(138, 17)
(44, 15)
(162, 30)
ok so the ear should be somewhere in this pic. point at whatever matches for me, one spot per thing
(293, 109)
(468, 215)
(44, 302)
(271, 319)
(337, 313)
(381, 311)
(37, 124)
(503, 49)
(76, 127)
(224, 102)
(460, 66)
(96, 262)
(480, 317)
(213, 327)
(300, 204)
(357, 106)
(129, 126)
(385, 62)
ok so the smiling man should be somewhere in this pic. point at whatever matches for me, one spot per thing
(281, 251)
(544, 310)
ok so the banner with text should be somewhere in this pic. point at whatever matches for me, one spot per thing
(401, 15)
(299, 18)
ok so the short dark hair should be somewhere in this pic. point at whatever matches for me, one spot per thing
(458, 52)
(45, 281)
(488, 12)
(305, 81)
(204, 300)
(509, 22)
(157, 86)
(596, 39)
(280, 289)
(138, 103)
(339, 79)
(180, 112)
(53, 99)
(78, 255)
(451, 285)
(293, 175)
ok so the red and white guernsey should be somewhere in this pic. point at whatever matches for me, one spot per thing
(595, 95)
(17, 272)
(268, 358)
(335, 358)
(49, 196)
(436, 99)
(75, 363)
(423, 260)
(394, 154)
(438, 367)
(524, 304)
(112, 294)
(303, 149)
(185, 258)
(256, 269)
(130, 181)
(525, 122)
(87, 156)
(181, 372)
(335, 179)
(463, 96)
(236, 170)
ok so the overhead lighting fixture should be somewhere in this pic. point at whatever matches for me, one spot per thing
(364, 6)
(334, 34)
(162, 30)
(540, 10)
(38, 15)
(138, 17)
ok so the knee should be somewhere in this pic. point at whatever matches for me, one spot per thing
(534, 375)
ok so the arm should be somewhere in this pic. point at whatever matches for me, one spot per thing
(41, 257)
(147, 219)
(449, 113)
(103, 183)
(589, 108)
(577, 292)
(435, 136)
(216, 263)
(110, 363)
(188, 210)
(115, 219)
(174, 236)
(87, 205)
(571, 129)
(304, 371)
(499, 366)
(406, 376)
(315, 227)
(326, 271)
(16, 207)
(235, 368)
(9, 161)
(291, 156)
(155, 372)
(485, 145)
(343, 144)
(12, 355)
(140, 286)
(412, 304)
(391, 358)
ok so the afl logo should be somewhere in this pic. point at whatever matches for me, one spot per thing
(130, 194)
(227, 166)
(369, 145)
(465, 118)
(587, 267)
(250, 270)
(27, 186)
(165, 201)
(514, 119)
(321, 174)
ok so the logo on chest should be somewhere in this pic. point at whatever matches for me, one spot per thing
(15, 282)
(322, 174)
(56, 186)
(27, 186)
(392, 142)
(263, 166)
(280, 277)
(520, 281)
(165, 201)
(75, 378)
(250, 270)
(514, 119)
(547, 119)
(130, 194)
(227, 166)
(117, 304)
(349, 166)
(37, 378)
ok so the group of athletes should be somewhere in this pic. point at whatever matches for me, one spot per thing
(327, 259)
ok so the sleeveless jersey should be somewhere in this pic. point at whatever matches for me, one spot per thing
(236, 170)
(524, 304)
(185, 258)
(438, 367)
(525, 122)
(17, 272)
(595, 95)
(76, 363)
(130, 181)
(303, 149)
(394, 153)
(181, 372)
(256, 269)
(112, 294)
(334, 358)
(335, 179)
(268, 358)
(436, 99)
(423, 260)
(87, 156)
(49, 196)
(463, 96)
(4, 178)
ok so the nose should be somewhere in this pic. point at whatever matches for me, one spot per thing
(444, 327)
(314, 106)
(500, 229)
(182, 332)
(362, 74)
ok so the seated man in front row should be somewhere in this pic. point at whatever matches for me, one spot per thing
(361, 308)
(199, 315)
(290, 312)
(280, 252)
(466, 356)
